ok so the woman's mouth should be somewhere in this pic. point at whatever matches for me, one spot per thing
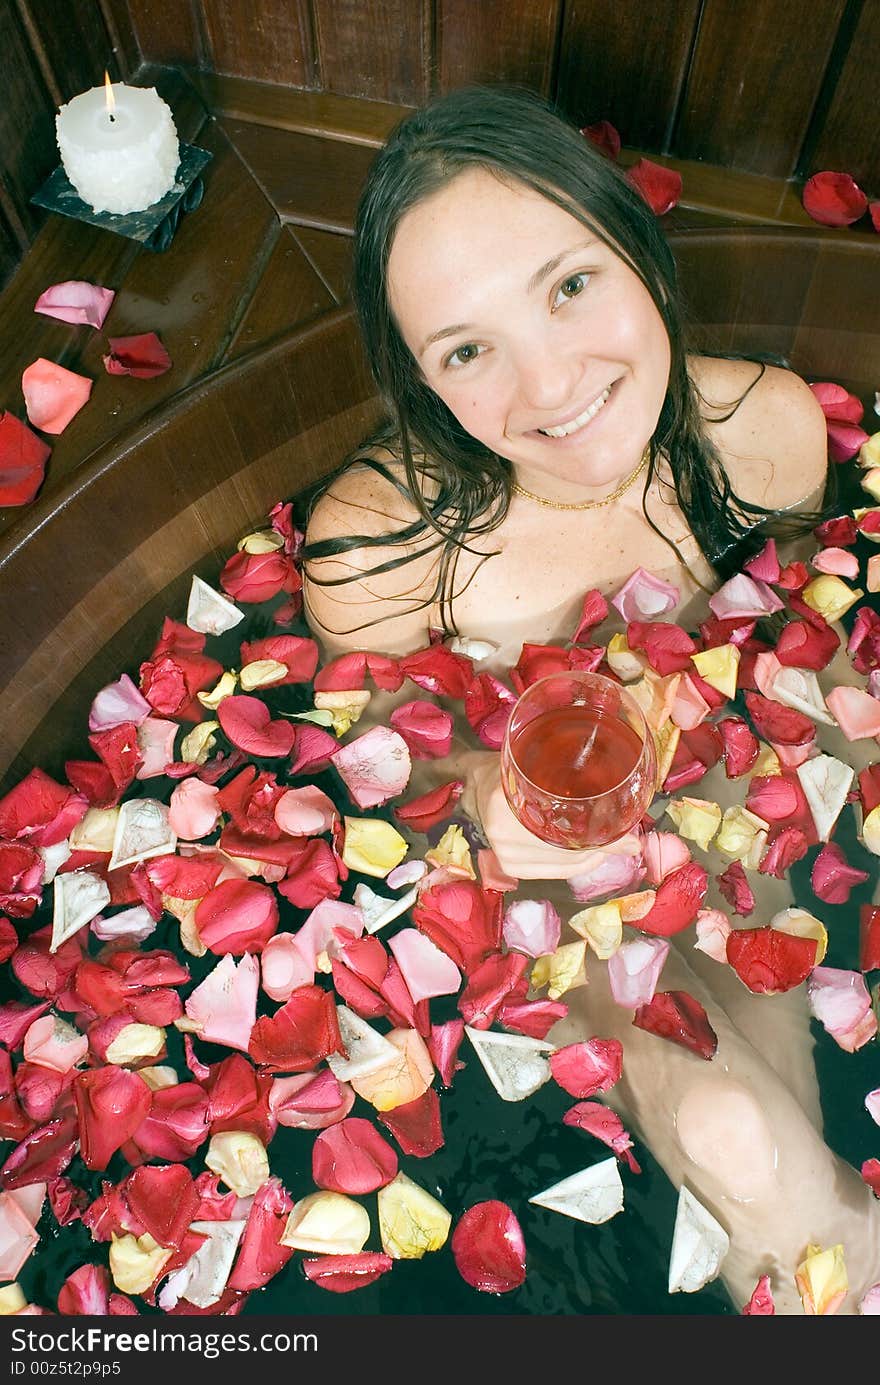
(575, 425)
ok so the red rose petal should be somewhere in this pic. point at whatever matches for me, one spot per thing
(349, 673)
(834, 199)
(248, 723)
(176, 1125)
(769, 961)
(740, 746)
(463, 920)
(777, 723)
(298, 653)
(586, 1068)
(678, 900)
(444, 1042)
(489, 1249)
(832, 877)
(677, 1016)
(736, 889)
(343, 1273)
(604, 136)
(416, 1125)
(260, 1256)
(111, 1103)
(606, 1126)
(23, 458)
(164, 1200)
(840, 532)
(352, 1158)
(761, 1304)
(488, 704)
(532, 1017)
(299, 1034)
(787, 846)
(237, 916)
(438, 670)
(426, 728)
(142, 355)
(871, 1174)
(489, 985)
(869, 937)
(658, 185)
(844, 441)
(250, 578)
(421, 814)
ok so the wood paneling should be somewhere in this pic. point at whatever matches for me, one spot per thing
(27, 121)
(120, 31)
(752, 85)
(9, 252)
(850, 141)
(331, 257)
(497, 41)
(71, 44)
(311, 181)
(376, 48)
(308, 112)
(269, 40)
(168, 31)
(289, 294)
(626, 63)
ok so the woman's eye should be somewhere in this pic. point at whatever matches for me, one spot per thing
(463, 354)
(570, 288)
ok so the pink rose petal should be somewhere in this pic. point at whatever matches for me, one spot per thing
(644, 596)
(53, 395)
(856, 711)
(374, 767)
(664, 853)
(193, 811)
(76, 301)
(119, 702)
(584, 1069)
(532, 926)
(837, 561)
(18, 1238)
(712, 928)
(832, 877)
(427, 971)
(225, 1003)
(606, 1126)
(742, 597)
(426, 728)
(634, 971)
(841, 1001)
(305, 812)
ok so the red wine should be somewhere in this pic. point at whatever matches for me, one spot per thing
(572, 753)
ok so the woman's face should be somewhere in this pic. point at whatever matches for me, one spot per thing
(541, 341)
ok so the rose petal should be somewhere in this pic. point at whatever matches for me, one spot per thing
(584, 1069)
(53, 395)
(76, 301)
(644, 596)
(352, 1157)
(658, 185)
(677, 1016)
(23, 458)
(343, 1273)
(248, 723)
(604, 136)
(426, 728)
(489, 1248)
(374, 767)
(840, 1000)
(142, 355)
(834, 199)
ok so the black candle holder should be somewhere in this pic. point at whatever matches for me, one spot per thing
(155, 226)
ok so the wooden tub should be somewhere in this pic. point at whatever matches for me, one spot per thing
(88, 572)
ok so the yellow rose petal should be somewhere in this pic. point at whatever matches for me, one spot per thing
(158, 1077)
(372, 846)
(198, 744)
(655, 696)
(12, 1300)
(830, 596)
(184, 910)
(627, 663)
(453, 852)
(634, 906)
(870, 482)
(602, 927)
(869, 452)
(697, 819)
(871, 831)
(742, 836)
(802, 925)
(401, 1080)
(261, 673)
(328, 1224)
(240, 1159)
(263, 541)
(719, 667)
(562, 970)
(134, 1042)
(135, 1262)
(767, 762)
(822, 1280)
(411, 1221)
(345, 708)
(665, 745)
(225, 688)
(95, 831)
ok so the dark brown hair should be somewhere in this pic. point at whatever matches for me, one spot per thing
(517, 136)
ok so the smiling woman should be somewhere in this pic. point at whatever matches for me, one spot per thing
(520, 312)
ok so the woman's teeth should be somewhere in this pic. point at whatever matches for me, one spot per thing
(565, 429)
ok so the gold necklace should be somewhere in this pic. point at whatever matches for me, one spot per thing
(588, 504)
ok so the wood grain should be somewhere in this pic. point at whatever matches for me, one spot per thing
(497, 41)
(71, 43)
(627, 64)
(167, 31)
(850, 140)
(331, 257)
(289, 294)
(310, 181)
(753, 81)
(374, 48)
(267, 40)
(27, 121)
(304, 112)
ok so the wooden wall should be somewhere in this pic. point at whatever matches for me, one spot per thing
(770, 86)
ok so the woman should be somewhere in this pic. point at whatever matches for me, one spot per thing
(548, 434)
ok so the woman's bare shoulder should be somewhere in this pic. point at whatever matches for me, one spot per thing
(351, 603)
(769, 429)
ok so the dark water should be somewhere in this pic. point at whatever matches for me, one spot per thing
(493, 1149)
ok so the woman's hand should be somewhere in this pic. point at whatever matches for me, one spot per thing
(520, 853)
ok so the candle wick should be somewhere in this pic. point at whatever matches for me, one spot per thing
(112, 117)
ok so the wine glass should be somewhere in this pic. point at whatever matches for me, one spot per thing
(578, 765)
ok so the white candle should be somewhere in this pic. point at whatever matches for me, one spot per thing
(121, 159)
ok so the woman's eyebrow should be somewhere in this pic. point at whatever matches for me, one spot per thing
(537, 278)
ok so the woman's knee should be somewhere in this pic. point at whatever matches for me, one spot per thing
(723, 1130)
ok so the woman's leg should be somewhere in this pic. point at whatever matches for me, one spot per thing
(732, 1131)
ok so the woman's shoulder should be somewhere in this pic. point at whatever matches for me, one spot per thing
(354, 595)
(768, 428)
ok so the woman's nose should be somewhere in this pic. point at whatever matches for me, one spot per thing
(547, 379)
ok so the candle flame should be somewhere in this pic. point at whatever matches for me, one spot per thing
(108, 95)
